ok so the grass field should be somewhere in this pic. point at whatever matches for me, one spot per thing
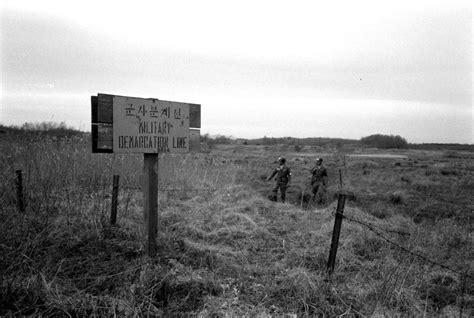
(224, 249)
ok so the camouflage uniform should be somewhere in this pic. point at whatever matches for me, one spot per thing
(283, 178)
(318, 179)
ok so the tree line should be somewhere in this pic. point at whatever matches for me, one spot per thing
(374, 141)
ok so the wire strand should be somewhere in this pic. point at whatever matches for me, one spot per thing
(424, 258)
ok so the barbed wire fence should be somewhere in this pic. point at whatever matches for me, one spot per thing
(378, 231)
(382, 233)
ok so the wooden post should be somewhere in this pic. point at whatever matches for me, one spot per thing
(335, 233)
(463, 291)
(113, 212)
(19, 191)
(340, 180)
(345, 169)
(150, 207)
(302, 197)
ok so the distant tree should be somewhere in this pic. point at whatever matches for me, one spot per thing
(47, 128)
(205, 137)
(211, 141)
(384, 141)
(221, 139)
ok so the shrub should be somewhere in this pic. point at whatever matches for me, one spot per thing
(449, 172)
(397, 197)
(369, 164)
(441, 290)
(42, 129)
(405, 179)
(384, 141)
(381, 210)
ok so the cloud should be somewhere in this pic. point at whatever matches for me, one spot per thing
(267, 58)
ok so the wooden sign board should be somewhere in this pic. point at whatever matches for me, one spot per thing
(122, 124)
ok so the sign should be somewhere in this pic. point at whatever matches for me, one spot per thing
(122, 124)
(150, 126)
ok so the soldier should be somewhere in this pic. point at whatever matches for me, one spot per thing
(318, 179)
(283, 179)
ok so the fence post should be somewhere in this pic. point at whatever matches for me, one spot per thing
(340, 179)
(335, 233)
(345, 169)
(113, 212)
(19, 191)
(463, 291)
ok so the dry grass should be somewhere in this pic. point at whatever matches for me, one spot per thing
(228, 251)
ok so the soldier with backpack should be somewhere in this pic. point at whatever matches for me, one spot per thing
(283, 179)
(318, 179)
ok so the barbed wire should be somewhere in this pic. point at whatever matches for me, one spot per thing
(406, 250)
(374, 226)
(189, 190)
(174, 190)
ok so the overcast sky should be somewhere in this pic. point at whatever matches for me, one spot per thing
(259, 68)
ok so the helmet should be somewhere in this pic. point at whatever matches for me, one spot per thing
(320, 160)
(281, 160)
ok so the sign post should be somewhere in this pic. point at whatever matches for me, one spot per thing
(150, 197)
(131, 125)
(115, 188)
